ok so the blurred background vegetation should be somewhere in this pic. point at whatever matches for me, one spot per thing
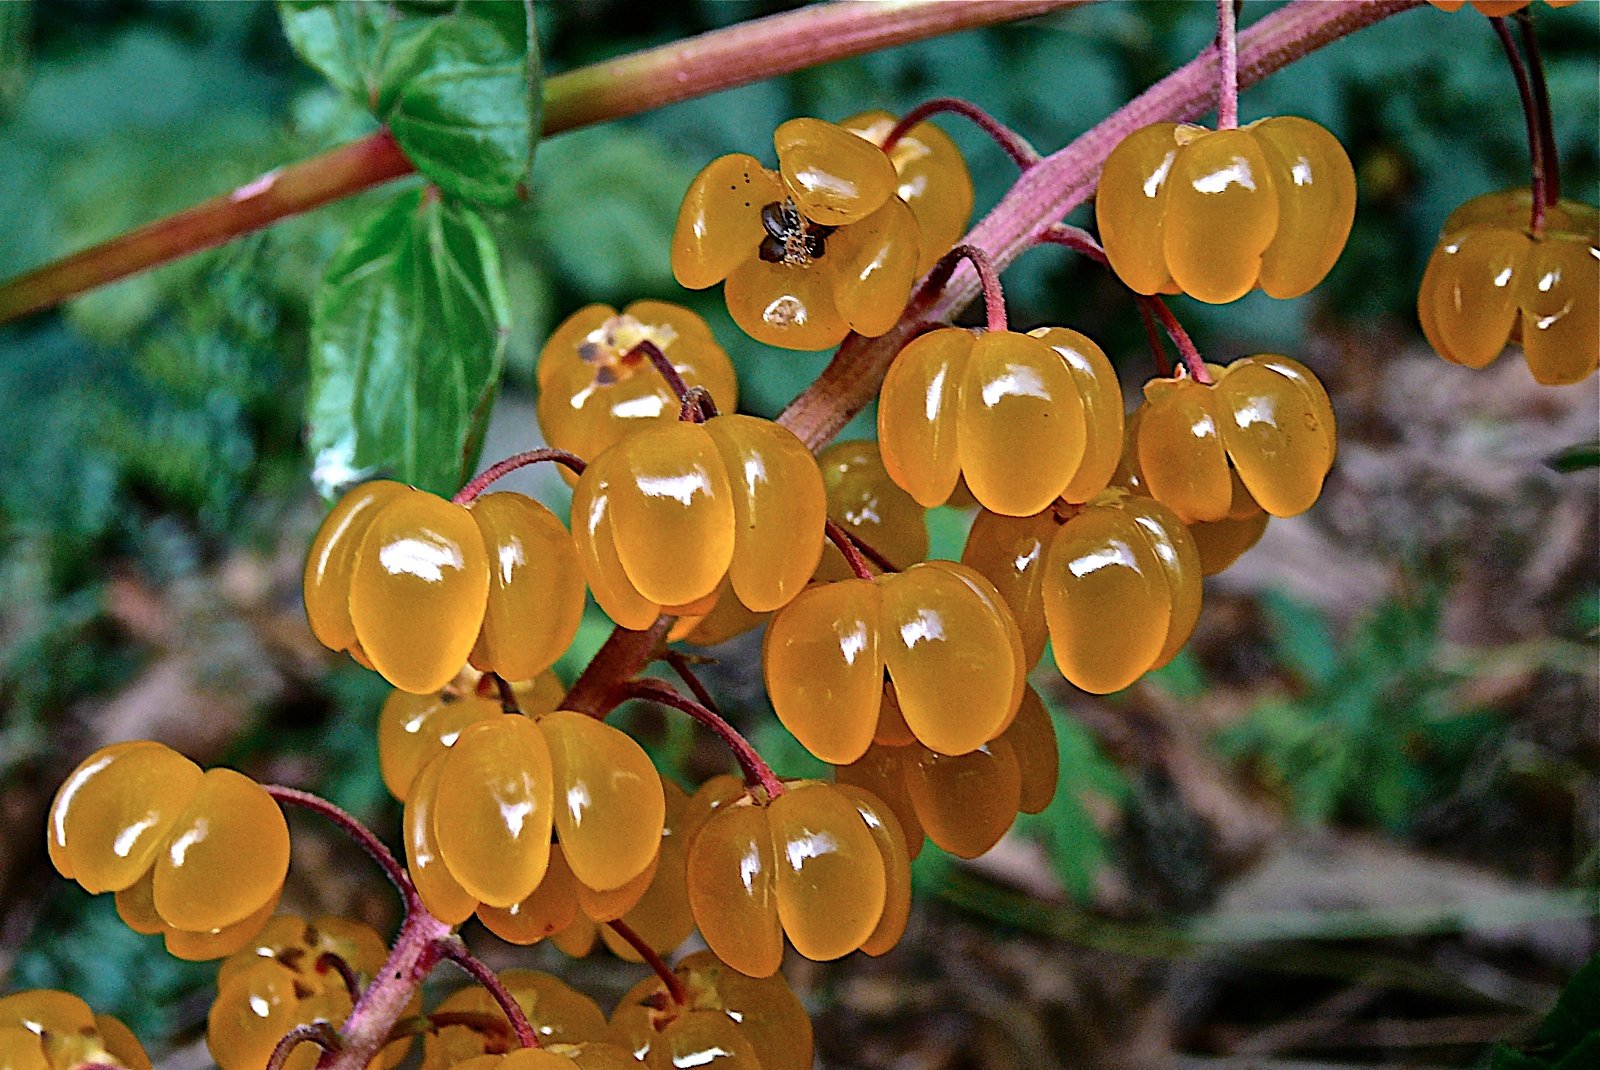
(1357, 821)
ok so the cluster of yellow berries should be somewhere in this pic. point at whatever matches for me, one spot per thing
(1093, 531)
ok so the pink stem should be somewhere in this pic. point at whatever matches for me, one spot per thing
(623, 653)
(1541, 98)
(1023, 154)
(480, 482)
(757, 773)
(358, 832)
(454, 949)
(1180, 338)
(319, 1033)
(1061, 182)
(330, 961)
(366, 1030)
(994, 298)
(852, 556)
(1075, 238)
(1228, 61)
(680, 665)
(722, 59)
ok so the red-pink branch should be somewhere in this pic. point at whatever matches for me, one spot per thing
(722, 59)
(1046, 192)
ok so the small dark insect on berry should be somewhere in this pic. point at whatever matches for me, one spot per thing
(790, 236)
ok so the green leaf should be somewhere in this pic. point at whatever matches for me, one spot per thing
(458, 87)
(1302, 638)
(1576, 458)
(1569, 1037)
(407, 341)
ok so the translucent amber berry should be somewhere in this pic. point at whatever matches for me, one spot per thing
(1278, 430)
(966, 802)
(779, 507)
(1009, 553)
(225, 855)
(1180, 562)
(732, 884)
(558, 1014)
(824, 668)
(866, 502)
(1490, 280)
(612, 808)
(1032, 736)
(661, 915)
(45, 1029)
(882, 772)
(332, 557)
(890, 839)
(1101, 395)
(830, 872)
(492, 809)
(535, 598)
(207, 944)
(833, 176)
(595, 390)
(809, 253)
(594, 535)
(934, 181)
(414, 729)
(768, 1015)
(1003, 410)
(1106, 599)
(299, 944)
(113, 813)
(120, 1043)
(543, 912)
(418, 588)
(441, 893)
(1216, 213)
(1180, 449)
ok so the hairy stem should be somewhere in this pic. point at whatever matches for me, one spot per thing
(757, 773)
(455, 949)
(469, 493)
(994, 298)
(1062, 181)
(366, 1031)
(321, 1034)
(358, 832)
(722, 59)
(1228, 65)
(1022, 153)
(1180, 339)
(330, 961)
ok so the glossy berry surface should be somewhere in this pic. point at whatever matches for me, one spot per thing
(1121, 591)
(1490, 281)
(939, 630)
(1494, 8)
(1011, 413)
(282, 980)
(480, 815)
(399, 578)
(209, 850)
(821, 247)
(594, 390)
(536, 590)
(1216, 213)
(963, 803)
(1265, 417)
(770, 1021)
(664, 515)
(45, 1029)
(804, 864)
(468, 1023)
(933, 180)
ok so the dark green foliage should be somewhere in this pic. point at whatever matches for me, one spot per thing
(1372, 732)
(1569, 1038)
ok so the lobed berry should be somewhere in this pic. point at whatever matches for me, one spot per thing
(594, 1055)
(469, 1024)
(1216, 213)
(824, 245)
(767, 1020)
(964, 803)
(594, 390)
(664, 515)
(479, 816)
(1265, 418)
(44, 1029)
(938, 629)
(807, 863)
(403, 581)
(281, 981)
(934, 181)
(1023, 418)
(197, 856)
(1490, 281)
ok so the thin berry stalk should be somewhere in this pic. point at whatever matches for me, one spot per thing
(480, 482)
(757, 773)
(1180, 338)
(321, 1034)
(852, 556)
(358, 832)
(994, 298)
(623, 653)
(1541, 99)
(1530, 113)
(455, 950)
(1022, 153)
(674, 984)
